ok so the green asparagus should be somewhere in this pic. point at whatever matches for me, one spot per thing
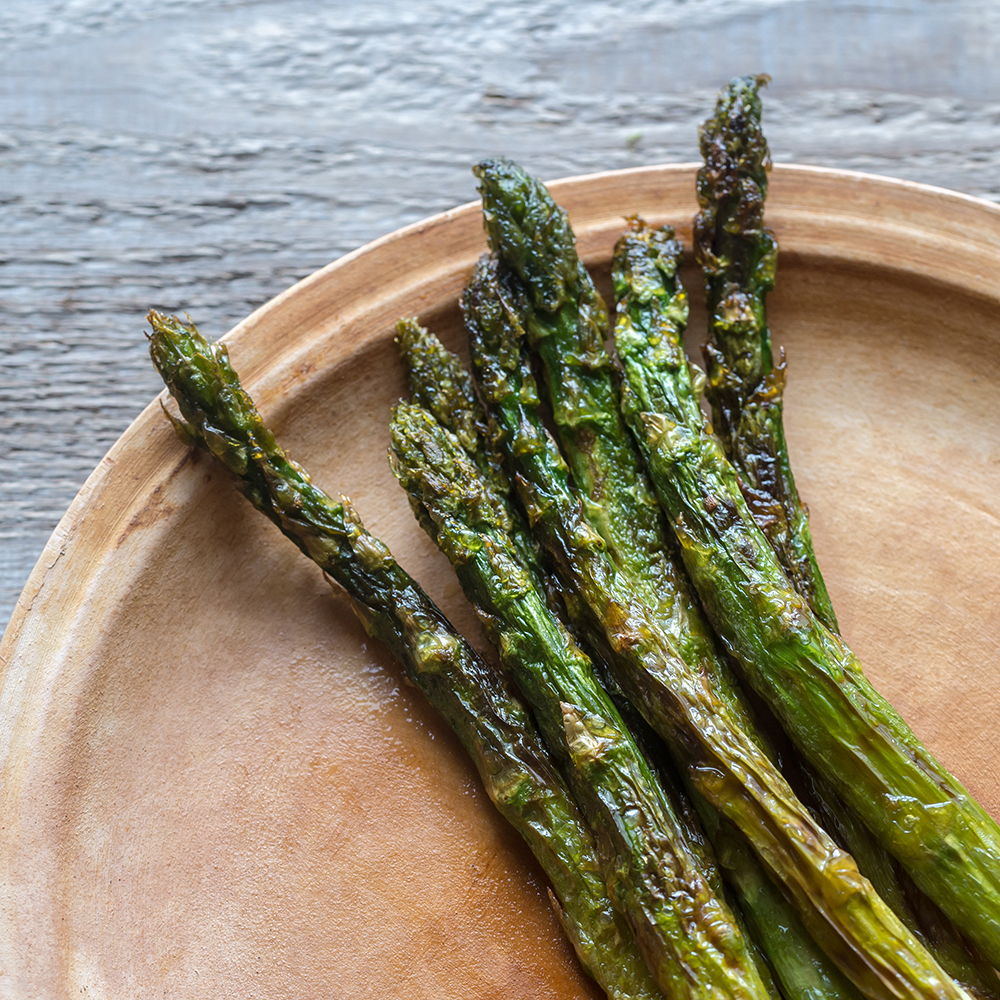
(439, 381)
(811, 680)
(892, 882)
(655, 877)
(620, 504)
(738, 255)
(492, 724)
(441, 384)
(837, 905)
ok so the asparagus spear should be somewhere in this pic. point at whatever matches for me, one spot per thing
(738, 255)
(809, 677)
(567, 331)
(440, 382)
(655, 877)
(565, 320)
(492, 724)
(892, 883)
(621, 504)
(837, 905)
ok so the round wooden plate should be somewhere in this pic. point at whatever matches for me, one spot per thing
(214, 785)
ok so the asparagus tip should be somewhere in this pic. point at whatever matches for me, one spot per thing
(409, 334)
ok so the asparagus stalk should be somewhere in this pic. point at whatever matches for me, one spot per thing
(564, 320)
(491, 723)
(655, 877)
(738, 255)
(893, 884)
(809, 677)
(837, 905)
(566, 328)
(439, 381)
(441, 384)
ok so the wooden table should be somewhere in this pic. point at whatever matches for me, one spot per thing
(202, 156)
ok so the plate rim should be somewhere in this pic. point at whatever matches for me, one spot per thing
(77, 512)
(77, 509)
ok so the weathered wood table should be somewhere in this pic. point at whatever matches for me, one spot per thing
(202, 155)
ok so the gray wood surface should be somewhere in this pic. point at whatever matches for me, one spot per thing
(202, 155)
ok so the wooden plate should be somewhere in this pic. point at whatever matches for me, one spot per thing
(215, 786)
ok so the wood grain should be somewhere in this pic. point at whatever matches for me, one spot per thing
(205, 154)
(213, 783)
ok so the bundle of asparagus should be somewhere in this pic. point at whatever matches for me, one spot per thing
(696, 844)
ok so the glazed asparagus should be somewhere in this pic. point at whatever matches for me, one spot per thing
(801, 967)
(811, 680)
(838, 905)
(492, 724)
(565, 324)
(605, 464)
(892, 882)
(440, 382)
(655, 876)
(738, 255)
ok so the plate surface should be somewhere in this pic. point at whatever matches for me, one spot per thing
(214, 785)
